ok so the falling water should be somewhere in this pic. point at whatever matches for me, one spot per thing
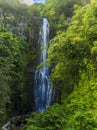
(43, 86)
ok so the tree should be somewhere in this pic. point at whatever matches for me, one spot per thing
(12, 64)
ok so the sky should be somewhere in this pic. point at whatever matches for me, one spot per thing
(30, 2)
(41, 1)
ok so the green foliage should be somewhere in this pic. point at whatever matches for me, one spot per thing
(72, 55)
(76, 47)
(21, 19)
(19, 29)
(81, 105)
(19, 24)
(78, 112)
(59, 13)
(12, 64)
(40, 66)
(52, 119)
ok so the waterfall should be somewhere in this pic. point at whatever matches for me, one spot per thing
(43, 87)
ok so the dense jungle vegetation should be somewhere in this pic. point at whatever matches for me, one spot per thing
(18, 37)
(72, 56)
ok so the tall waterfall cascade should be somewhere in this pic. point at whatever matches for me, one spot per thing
(43, 88)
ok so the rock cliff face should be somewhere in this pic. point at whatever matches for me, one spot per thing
(29, 86)
(31, 66)
(21, 22)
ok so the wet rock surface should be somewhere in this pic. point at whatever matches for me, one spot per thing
(15, 123)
